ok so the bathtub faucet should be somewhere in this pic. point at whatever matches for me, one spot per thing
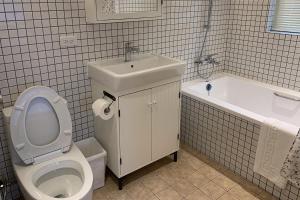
(209, 59)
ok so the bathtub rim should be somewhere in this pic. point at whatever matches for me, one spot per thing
(228, 107)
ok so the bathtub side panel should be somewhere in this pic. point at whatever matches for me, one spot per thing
(228, 139)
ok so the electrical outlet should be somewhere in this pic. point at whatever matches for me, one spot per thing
(68, 41)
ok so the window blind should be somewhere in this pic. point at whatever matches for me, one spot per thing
(286, 16)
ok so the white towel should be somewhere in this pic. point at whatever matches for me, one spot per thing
(275, 140)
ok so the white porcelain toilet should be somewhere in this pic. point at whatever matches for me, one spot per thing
(47, 164)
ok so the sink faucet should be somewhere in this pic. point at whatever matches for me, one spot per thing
(128, 50)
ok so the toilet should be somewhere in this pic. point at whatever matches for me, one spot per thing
(47, 164)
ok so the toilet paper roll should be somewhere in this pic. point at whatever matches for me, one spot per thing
(101, 109)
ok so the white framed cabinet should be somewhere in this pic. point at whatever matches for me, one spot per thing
(135, 131)
(108, 11)
(149, 126)
(165, 120)
(144, 129)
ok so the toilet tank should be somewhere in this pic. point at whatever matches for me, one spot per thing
(6, 115)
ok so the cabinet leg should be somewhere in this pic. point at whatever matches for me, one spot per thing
(175, 156)
(120, 183)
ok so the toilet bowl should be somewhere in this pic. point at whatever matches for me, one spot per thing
(47, 164)
(66, 177)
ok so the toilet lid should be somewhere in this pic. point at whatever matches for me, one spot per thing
(40, 124)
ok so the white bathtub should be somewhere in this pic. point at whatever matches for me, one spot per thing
(248, 99)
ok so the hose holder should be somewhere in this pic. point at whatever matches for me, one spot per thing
(106, 94)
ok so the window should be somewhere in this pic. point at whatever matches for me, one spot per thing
(285, 16)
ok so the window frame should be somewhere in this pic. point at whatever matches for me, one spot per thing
(272, 14)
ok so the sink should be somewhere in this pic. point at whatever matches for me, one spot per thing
(144, 69)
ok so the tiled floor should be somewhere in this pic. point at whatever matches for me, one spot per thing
(191, 178)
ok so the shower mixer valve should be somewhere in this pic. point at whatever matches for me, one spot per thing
(209, 59)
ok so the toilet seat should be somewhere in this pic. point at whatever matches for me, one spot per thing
(40, 125)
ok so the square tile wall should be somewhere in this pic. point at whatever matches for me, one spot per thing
(251, 52)
(227, 139)
(254, 52)
(30, 51)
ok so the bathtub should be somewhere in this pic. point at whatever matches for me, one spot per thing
(249, 99)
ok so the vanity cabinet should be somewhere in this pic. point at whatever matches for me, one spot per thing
(135, 131)
(165, 120)
(149, 126)
(144, 128)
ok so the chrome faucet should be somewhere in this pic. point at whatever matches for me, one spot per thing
(128, 50)
(209, 59)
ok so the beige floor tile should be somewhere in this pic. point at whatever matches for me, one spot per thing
(241, 194)
(168, 194)
(137, 191)
(227, 196)
(154, 183)
(99, 195)
(258, 198)
(189, 179)
(224, 182)
(251, 187)
(209, 172)
(132, 183)
(183, 187)
(184, 154)
(167, 175)
(198, 179)
(119, 195)
(108, 189)
(154, 198)
(266, 196)
(212, 190)
(181, 169)
(197, 195)
(192, 161)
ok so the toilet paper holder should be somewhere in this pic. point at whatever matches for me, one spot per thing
(106, 94)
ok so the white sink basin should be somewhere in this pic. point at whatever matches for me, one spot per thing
(142, 70)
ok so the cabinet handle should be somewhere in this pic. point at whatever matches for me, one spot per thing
(150, 104)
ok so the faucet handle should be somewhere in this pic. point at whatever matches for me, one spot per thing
(198, 61)
(127, 44)
(211, 55)
(136, 49)
(216, 62)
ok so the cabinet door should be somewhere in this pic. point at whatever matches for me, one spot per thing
(135, 131)
(165, 120)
